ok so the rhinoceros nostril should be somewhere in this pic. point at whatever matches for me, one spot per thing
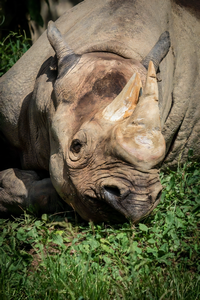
(113, 190)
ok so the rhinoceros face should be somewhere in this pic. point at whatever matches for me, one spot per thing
(106, 136)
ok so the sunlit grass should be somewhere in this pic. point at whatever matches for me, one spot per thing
(56, 258)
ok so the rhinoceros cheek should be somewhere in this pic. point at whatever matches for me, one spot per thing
(56, 171)
(58, 176)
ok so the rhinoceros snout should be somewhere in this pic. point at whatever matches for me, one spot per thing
(130, 203)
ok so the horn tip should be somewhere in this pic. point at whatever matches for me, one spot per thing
(165, 36)
(151, 70)
(52, 29)
(50, 25)
(52, 33)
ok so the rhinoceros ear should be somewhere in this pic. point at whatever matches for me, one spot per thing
(65, 55)
(158, 52)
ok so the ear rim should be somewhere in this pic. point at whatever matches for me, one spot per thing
(158, 52)
(66, 57)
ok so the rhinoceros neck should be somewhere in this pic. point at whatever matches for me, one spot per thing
(34, 123)
(16, 88)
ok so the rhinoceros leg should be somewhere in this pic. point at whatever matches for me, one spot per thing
(20, 190)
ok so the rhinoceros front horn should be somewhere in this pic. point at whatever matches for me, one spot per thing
(65, 55)
(124, 104)
(138, 139)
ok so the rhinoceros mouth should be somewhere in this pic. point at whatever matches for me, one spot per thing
(101, 211)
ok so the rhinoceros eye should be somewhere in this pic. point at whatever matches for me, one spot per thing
(76, 146)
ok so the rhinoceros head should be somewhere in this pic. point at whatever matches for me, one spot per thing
(106, 140)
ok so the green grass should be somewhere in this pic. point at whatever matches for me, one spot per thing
(11, 49)
(57, 258)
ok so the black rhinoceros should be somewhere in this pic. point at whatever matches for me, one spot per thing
(91, 114)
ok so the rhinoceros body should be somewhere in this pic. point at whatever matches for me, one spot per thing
(84, 115)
